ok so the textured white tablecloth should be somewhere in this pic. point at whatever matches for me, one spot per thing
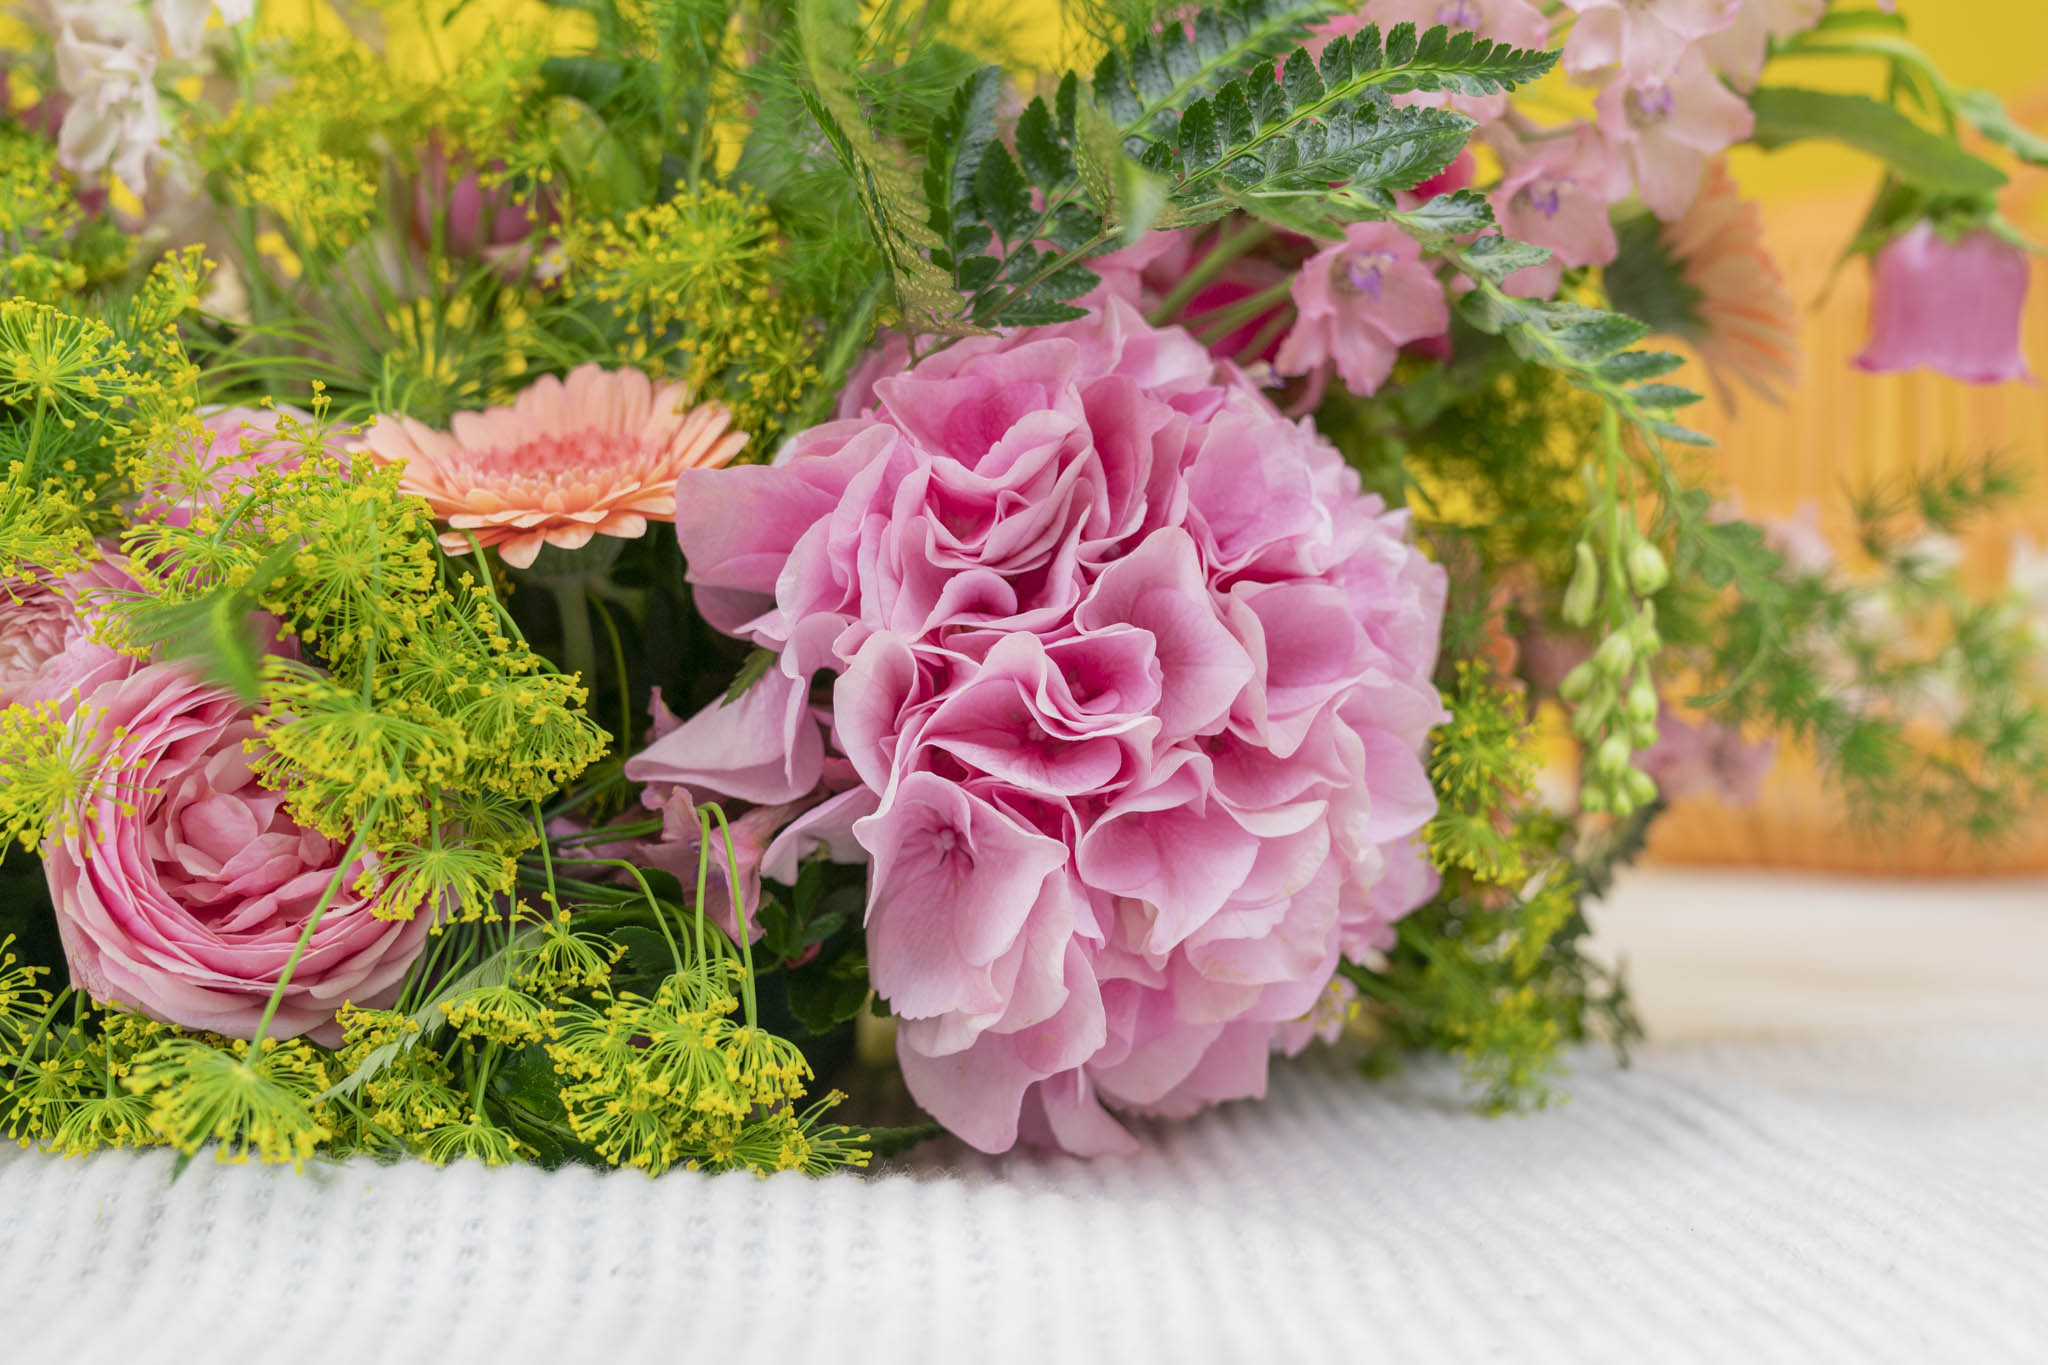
(1866, 1182)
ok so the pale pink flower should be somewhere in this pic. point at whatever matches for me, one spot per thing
(1740, 50)
(1706, 759)
(184, 886)
(49, 650)
(1359, 302)
(112, 125)
(1646, 39)
(1666, 131)
(1956, 306)
(1555, 195)
(595, 454)
(238, 442)
(1134, 679)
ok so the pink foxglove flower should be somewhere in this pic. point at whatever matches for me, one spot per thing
(1135, 681)
(1665, 131)
(1360, 301)
(1740, 50)
(1646, 39)
(568, 460)
(1555, 195)
(48, 647)
(185, 885)
(1953, 306)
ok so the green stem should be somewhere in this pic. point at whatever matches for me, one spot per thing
(611, 631)
(284, 978)
(1228, 248)
(739, 907)
(1221, 323)
(579, 646)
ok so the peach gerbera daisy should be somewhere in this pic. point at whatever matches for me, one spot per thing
(1708, 279)
(597, 453)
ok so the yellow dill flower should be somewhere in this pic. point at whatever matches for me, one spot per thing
(500, 1014)
(251, 1101)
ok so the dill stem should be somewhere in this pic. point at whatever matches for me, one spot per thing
(284, 978)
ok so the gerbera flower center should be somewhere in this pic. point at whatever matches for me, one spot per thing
(567, 460)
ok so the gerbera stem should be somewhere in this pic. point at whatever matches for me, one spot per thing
(1228, 248)
(579, 645)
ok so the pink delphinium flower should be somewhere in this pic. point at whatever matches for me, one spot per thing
(48, 646)
(184, 886)
(1359, 302)
(1646, 39)
(1956, 306)
(1666, 131)
(595, 454)
(1740, 50)
(1135, 681)
(1555, 195)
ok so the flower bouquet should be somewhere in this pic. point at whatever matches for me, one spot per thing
(561, 588)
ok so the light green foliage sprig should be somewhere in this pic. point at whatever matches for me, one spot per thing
(1492, 970)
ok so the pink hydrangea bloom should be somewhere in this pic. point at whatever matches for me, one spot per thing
(1135, 681)
(185, 887)
(48, 652)
(1664, 132)
(1555, 195)
(1953, 306)
(1740, 50)
(1360, 301)
(1646, 39)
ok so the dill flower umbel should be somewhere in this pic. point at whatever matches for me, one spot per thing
(595, 454)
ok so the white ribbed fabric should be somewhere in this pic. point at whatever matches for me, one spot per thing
(1869, 1199)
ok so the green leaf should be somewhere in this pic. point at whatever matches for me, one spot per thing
(1664, 396)
(1456, 214)
(752, 669)
(1145, 85)
(1634, 365)
(824, 994)
(1041, 149)
(1497, 257)
(1785, 115)
(1987, 114)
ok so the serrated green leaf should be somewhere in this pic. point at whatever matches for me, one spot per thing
(1631, 366)
(1040, 149)
(1496, 257)
(1987, 114)
(1003, 195)
(1664, 397)
(1144, 87)
(1671, 431)
(1456, 214)
(1785, 115)
(753, 668)
(824, 994)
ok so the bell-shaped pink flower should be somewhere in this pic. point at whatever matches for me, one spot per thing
(1665, 131)
(1953, 306)
(1647, 39)
(1360, 302)
(1555, 195)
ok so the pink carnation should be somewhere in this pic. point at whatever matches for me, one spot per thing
(1360, 301)
(48, 651)
(1135, 679)
(185, 886)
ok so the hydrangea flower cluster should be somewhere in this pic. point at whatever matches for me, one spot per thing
(1135, 680)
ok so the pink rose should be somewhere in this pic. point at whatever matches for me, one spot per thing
(47, 649)
(1953, 306)
(186, 885)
